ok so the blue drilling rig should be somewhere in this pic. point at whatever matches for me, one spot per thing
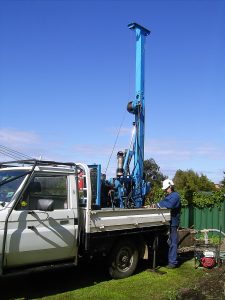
(129, 188)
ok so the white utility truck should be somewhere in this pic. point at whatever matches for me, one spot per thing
(49, 215)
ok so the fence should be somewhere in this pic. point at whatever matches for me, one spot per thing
(203, 218)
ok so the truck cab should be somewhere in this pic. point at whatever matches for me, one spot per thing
(38, 213)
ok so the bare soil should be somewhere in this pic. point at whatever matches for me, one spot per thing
(210, 286)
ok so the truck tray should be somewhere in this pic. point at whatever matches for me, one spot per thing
(108, 219)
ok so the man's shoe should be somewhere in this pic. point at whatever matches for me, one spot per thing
(171, 266)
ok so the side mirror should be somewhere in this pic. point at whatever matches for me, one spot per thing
(45, 204)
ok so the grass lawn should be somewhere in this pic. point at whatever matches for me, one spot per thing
(143, 285)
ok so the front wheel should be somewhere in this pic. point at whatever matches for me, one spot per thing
(123, 260)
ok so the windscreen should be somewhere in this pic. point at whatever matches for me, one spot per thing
(10, 181)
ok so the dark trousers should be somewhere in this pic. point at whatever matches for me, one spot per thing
(173, 242)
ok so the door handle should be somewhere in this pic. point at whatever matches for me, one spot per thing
(31, 227)
(63, 222)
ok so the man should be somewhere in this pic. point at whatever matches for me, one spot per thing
(172, 201)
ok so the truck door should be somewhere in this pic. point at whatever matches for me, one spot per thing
(35, 236)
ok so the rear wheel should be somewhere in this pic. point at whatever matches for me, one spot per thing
(123, 260)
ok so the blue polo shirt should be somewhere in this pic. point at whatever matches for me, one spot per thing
(172, 201)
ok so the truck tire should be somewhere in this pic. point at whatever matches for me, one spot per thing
(123, 260)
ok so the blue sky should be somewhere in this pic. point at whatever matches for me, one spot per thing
(67, 74)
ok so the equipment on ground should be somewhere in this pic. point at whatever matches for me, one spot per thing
(207, 255)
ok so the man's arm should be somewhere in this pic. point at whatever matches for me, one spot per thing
(168, 202)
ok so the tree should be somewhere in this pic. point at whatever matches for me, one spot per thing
(155, 177)
(191, 182)
(223, 181)
(152, 172)
(204, 184)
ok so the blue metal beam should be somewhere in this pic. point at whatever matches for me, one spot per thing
(138, 108)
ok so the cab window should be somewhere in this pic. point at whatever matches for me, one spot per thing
(45, 187)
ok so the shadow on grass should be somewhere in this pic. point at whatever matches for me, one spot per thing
(162, 259)
(185, 256)
(51, 282)
(55, 281)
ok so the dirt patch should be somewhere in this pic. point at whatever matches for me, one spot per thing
(210, 286)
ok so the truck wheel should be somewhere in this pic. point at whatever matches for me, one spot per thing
(123, 260)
